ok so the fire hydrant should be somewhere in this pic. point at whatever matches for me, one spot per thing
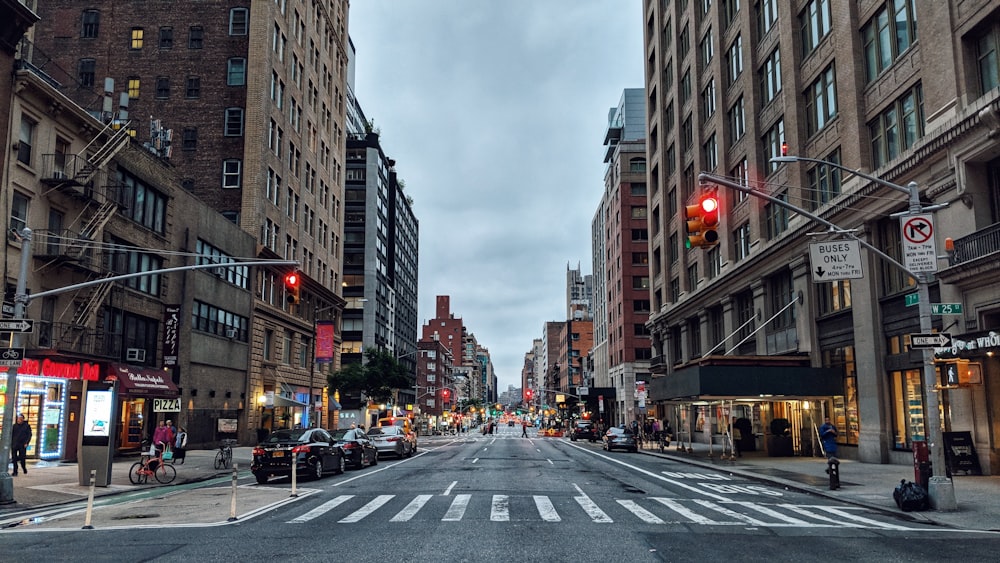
(833, 470)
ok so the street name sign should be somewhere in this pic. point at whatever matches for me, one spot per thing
(836, 260)
(18, 325)
(912, 299)
(11, 357)
(919, 252)
(931, 340)
(946, 308)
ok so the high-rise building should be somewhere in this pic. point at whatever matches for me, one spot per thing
(899, 90)
(620, 239)
(255, 128)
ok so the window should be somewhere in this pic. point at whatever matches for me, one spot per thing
(189, 140)
(238, 21)
(886, 36)
(686, 87)
(987, 61)
(714, 262)
(772, 145)
(233, 274)
(196, 37)
(91, 24)
(729, 10)
(166, 38)
(136, 39)
(18, 212)
(815, 24)
(25, 139)
(741, 242)
(220, 322)
(734, 60)
(777, 216)
(162, 87)
(639, 235)
(141, 203)
(120, 259)
(640, 282)
(708, 99)
(745, 318)
(232, 173)
(237, 72)
(767, 15)
(824, 181)
(741, 173)
(834, 296)
(707, 49)
(737, 122)
(710, 153)
(685, 43)
(673, 248)
(821, 101)
(897, 127)
(781, 292)
(692, 276)
(638, 212)
(234, 122)
(85, 72)
(694, 336)
(687, 134)
(133, 87)
(770, 76)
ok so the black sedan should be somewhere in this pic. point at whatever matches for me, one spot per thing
(583, 430)
(312, 451)
(620, 438)
(359, 450)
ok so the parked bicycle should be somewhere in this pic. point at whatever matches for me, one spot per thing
(152, 466)
(224, 458)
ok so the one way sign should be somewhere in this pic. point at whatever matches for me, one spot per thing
(931, 340)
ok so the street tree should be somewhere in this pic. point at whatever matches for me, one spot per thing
(376, 378)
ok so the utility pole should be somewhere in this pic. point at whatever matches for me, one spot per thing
(941, 489)
(21, 299)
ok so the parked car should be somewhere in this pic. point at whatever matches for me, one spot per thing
(312, 451)
(391, 440)
(583, 430)
(403, 423)
(359, 451)
(620, 438)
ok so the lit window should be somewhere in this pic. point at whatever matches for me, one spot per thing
(136, 38)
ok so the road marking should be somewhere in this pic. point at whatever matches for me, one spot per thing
(457, 509)
(590, 507)
(411, 509)
(321, 509)
(776, 515)
(450, 487)
(730, 513)
(500, 508)
(685, 512)
(803, 510)
(545, 509)
(643, 514)
(848, 516)
(367, 509)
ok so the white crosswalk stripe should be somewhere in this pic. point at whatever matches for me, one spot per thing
(648, 510)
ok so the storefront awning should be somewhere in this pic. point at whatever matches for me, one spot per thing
(280, 401)
(716, 382)
(136, 381)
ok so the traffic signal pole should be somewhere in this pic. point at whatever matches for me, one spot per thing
(21, 300)
(941, 489)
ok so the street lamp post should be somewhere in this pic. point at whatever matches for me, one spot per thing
(312, 365)
(940, 487)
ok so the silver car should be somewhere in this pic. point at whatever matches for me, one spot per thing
(391, 440)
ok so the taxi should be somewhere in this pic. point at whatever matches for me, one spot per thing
(405, 425)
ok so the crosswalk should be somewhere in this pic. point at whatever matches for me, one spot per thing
(352, 509)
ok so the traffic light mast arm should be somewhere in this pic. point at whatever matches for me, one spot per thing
(706, 177)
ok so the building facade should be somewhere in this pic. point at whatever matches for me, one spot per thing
(903, 91)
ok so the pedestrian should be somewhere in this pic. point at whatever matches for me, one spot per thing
(20, 436)
(172, 433)
(180, 445)
(524, 428)
(828, 437)
(161, 438)
(737, 438)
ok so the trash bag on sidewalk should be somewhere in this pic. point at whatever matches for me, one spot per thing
(910, 496)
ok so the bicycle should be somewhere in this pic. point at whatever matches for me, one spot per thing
(152, 466)
(224, 458)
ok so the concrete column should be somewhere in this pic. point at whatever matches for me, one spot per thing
(869, 351)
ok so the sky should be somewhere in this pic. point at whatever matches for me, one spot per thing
(495, 113)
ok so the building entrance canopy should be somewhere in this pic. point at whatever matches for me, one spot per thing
(768, 382)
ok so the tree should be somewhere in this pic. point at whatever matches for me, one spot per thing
(376, 378)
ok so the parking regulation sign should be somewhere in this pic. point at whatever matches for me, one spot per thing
(919, 253)
(835, 260)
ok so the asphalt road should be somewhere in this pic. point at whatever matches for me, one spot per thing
(507, 498)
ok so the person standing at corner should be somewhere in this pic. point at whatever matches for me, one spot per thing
(161, 437)
(828, 436)
(20, 436)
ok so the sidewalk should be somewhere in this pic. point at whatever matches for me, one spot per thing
(51, 483)
(863, 484)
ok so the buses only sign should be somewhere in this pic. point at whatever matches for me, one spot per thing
(835, 260)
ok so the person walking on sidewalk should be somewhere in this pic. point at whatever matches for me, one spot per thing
(524, 428)
(21, 435)
(828, 436)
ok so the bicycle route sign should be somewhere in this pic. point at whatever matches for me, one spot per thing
(167, 405)
(11, 357)
(919, 252)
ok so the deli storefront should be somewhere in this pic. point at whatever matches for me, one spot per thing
(137, 388)
(49, 392)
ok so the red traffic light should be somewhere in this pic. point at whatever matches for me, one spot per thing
(784, 148)
(292, 280)
(444, 394)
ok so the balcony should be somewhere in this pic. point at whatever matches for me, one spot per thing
(974, 259)
(66, 246)
(75, 339)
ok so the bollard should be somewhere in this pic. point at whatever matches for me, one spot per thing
(833, 470)
(295, 463)
(232, 504)
(90, 500)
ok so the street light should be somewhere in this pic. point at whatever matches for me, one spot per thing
(312, 364)
(940, 487)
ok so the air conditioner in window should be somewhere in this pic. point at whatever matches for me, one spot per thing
(135, 355)
(230, 333)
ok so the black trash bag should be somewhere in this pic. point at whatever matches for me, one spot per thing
(910, 496)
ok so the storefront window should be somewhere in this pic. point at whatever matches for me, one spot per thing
(845, 407)
(42, 401)
(907, 408)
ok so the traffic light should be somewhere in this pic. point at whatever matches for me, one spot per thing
(292, 280)
(702, 222)
(528, 394)
(444, 395)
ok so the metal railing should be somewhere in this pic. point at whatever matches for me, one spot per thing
(977, 245)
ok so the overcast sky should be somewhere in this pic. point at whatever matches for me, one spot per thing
(495, 112)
